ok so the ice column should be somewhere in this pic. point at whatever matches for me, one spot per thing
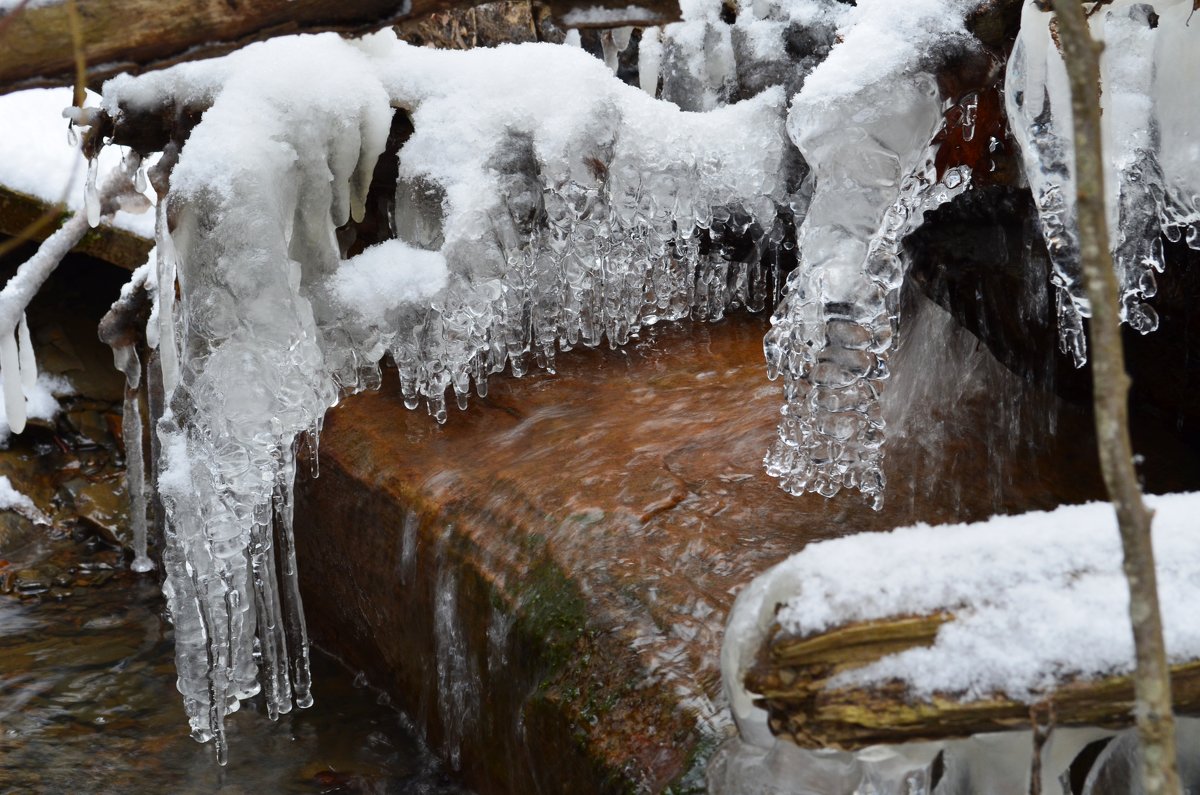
(831, 335)
(255, 199)
(1038, 101)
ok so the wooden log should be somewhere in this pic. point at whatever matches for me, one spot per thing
(138, 35)
(120, 247)
(792, 675)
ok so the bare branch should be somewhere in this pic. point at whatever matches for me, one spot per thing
(1152, 682)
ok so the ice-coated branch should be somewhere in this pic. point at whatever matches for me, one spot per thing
(18, 368)
(1152, 681)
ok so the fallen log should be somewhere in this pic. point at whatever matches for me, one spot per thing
(792, 676)
(20, 211)
(139, 35)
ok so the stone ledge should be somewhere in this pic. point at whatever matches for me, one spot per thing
(579, 538)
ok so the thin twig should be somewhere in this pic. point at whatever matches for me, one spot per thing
(77, 48)
(1152, 682)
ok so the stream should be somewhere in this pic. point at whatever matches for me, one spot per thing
(88, 704)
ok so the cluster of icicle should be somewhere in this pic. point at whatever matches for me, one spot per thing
(594, 246)
(863, 117)
(1151, 115)
(521, 232)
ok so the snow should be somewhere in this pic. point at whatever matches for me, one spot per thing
(601, 16)
(40, 402)
(37, 157)
(1038, 599)
(11, 499)
(880, 39)
(378, 282)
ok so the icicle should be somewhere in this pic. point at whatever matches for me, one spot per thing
(1038, 102)
(10, 371)
(312, 442)
(132, 428)
(91, 197)
(28, 360)
(297, 632)
(168, 350)
(612, 53)
(1176, 103)
(649, 60)
(622, 37)
(1134, 178)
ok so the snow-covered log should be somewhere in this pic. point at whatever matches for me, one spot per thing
(926, 634)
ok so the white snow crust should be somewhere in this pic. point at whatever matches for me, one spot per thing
(1038, 599)
(382, 279)
(601, 16)
(11, 499)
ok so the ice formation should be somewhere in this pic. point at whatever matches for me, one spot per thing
(24, 392)
(994, 763)
(40, 155)
(1037, 598)
(1149, 126)
(542, 204)
(863, 121)
(521, 233)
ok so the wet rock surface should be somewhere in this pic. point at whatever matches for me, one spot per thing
(543, 581)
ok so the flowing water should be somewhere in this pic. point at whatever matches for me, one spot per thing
(88, 704)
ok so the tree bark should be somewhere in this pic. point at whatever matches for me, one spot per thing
(138, 35)
(1152, 683)
(792, 678)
